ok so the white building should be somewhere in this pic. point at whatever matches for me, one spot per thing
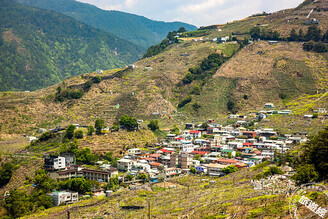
(54, 163)
(59, 197)
(124, 164)
(134, 151)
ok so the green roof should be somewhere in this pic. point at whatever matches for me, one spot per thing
(227, 150)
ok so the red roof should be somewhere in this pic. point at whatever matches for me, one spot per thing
(194, 132)
(179, 139)
(257, 152)
(199, 152)
(155, 155)
(231, 161)
(155, 164)
(166, 151)
(248, 144)
(150, 159)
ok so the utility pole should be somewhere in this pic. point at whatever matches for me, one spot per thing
(149, 216)
(68, 214)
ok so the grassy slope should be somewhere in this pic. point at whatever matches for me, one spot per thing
(229, 196)
(152, 93)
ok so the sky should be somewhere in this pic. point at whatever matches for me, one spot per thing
(197, 12)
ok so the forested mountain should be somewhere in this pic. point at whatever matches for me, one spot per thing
(137, 29)
(39, 48)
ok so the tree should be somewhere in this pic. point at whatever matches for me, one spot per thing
(43, 181)
(78, 134)
(58, 89)
(97, 79)
(188, 78)
(196, 90)
(204, 125)
(301, 35)
(46, 136)
(69, 134)
(99, 125)
(313, 33)
(305, 174)
(79, 185)
(109, 156)
(6, 172)
(325, 37)
(193, 170)
(182, 30)
(315, 152)
(143, 176)
(185, 101)
(129, 123)
(293, 35)
(320, 47)
(230, 169)
(129, 177)
(255, 33)
(153, 125)
(308, 46)
(175, 130)
(18, 204)
(112, 184)
(91, 130)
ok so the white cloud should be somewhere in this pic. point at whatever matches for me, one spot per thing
(197, 12)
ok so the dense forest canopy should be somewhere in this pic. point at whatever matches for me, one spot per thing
(137, 29)
(39, 48)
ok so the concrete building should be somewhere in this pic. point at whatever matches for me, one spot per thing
(60, 197)
(54, 163)
(124, 164)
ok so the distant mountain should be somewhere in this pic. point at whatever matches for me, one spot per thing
(137, 29)
(39, 48)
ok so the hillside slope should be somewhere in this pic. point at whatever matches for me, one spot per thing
(153, 87)
(40, 48)
(137, 29)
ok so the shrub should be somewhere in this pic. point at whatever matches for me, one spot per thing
(185, 101)
(69, 134)
(129, 122)
(91, 130)
(97, 79)
(153, 125)
(78, 134)
(196, 106)
(46, 136)
(99, 125)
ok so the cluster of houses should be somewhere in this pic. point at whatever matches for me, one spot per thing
(208, 150)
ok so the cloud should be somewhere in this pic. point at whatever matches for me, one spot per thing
(197, 12)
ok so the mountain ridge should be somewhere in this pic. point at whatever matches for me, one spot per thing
(137, 29)
(52, 47)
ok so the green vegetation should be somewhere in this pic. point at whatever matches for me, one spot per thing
(230, 169)
(69, 134)
(137, 29)
(315, 39)
(185, 101)
(6, 171)
(40, 48)
(20, 203)
(129, 123)
(263, 34)
(99, 125)
(79, 185)
(78, 134)
(269, 172)
(91, 130)
(170, 39)
(153, 125)
(313, 164)
(205, 70)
